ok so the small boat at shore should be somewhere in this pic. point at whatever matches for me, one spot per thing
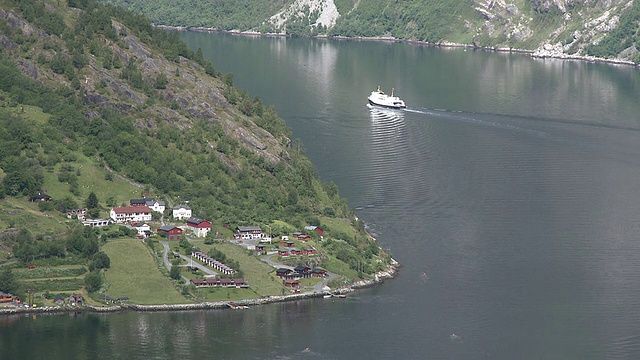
(234, 306)
(379, 98)
(331, 295)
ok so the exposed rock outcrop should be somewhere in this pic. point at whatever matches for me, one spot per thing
(318, 12)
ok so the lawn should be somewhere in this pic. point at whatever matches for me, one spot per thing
(20, 213)
(135, 274)
(48, 272)
(338, 267)
(212, 294)
(91, 179)
(337, 225)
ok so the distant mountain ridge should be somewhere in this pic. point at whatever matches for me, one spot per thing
(605, 29)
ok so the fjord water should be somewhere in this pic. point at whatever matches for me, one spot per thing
(509, 190)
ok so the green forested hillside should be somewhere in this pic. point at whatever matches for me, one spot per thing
(98, 107)
(222, 14)
(603, 29)
(196, 157)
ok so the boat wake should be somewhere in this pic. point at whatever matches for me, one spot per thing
(379, 114)
(474, 119)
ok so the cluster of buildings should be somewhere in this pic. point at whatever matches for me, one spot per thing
(7, 298)
(73, 300)
(218, 265)
(290, 277)
(220, 282)
(300, 272)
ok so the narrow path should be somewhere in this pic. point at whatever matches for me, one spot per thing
(187, 258)
(167, 263)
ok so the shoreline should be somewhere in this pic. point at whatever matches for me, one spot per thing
(379, 277)
(546, 51)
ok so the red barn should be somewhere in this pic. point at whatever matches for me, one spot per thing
(171, 232)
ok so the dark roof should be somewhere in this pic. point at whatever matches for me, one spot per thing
(248, 228)
(301, 268)
(283, 271)
(40, 196)
(168, 227)
(195, 220)
(137, 201)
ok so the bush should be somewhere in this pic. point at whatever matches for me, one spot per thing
(93, 281)
(101, 261)
(174, 273)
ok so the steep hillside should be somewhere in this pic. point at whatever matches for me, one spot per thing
(606, 29)
(156, 116)
(98, 107)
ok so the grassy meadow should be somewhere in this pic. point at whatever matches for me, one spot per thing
(134, 273)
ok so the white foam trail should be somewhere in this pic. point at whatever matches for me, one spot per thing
(451, 115)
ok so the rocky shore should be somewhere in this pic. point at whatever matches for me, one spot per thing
(378, 278)
(545, 51)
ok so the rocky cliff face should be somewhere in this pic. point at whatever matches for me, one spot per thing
(190, 95)
(571, 25)
(548, 27)
(314, 12)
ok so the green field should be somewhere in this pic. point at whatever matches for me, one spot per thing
(20, 213)
(91, 179)
(213, 294)
(42, 272)
(135, 274)
(259, 275)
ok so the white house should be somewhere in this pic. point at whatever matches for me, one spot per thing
(96, 222)
(249, 232)
(130, 214)
(200, 227)
(144, 229)
(155, 205)
(181, 212)
(80, 214)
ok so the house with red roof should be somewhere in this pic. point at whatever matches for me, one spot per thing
(200, 227)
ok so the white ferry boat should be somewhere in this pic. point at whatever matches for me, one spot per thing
(379, 98)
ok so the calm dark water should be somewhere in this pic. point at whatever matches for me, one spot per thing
(513, 183)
